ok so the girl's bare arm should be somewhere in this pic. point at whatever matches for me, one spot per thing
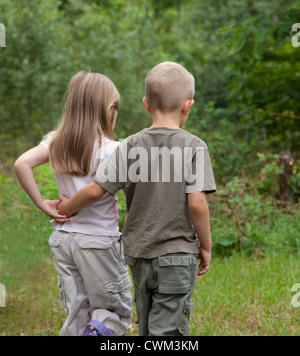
(23, 168)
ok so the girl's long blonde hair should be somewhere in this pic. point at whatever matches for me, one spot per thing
(90, 112)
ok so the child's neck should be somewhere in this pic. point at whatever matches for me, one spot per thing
(170, 120)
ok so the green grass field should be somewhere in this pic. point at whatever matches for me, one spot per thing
(240, 295)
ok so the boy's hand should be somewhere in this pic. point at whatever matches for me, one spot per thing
(62, 207)
(205, 257)
(49, 207)
(84, 197)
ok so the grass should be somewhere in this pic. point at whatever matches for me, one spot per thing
(240, 295)
(247, 296)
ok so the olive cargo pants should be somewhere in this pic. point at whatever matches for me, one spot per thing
(163, 289)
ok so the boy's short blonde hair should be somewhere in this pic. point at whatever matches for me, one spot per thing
(167, 86)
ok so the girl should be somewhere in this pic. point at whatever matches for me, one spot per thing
(87, 249)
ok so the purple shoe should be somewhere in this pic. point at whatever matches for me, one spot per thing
(95, 328)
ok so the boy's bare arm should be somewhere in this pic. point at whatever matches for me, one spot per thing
(200, 217)
(84, 197)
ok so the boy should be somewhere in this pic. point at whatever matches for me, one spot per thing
(166, 202)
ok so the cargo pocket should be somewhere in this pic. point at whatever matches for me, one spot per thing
(55, 239)
(118, 249)
(94, 242)
(176, 274)
(188, 306)
(120, 295)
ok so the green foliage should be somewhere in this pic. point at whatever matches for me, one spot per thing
(239, 52)
(295, 181)
(247, 219)
(49, 41)
(269, 174)
(263, 70)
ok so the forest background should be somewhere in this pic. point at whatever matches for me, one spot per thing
(245, 60)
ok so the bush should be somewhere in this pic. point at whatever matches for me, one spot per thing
(244, 218)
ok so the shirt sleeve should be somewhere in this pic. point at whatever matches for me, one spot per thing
(46, 142)
(200, 176)
(112, 174)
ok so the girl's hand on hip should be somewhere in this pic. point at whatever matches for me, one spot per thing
(49, 207)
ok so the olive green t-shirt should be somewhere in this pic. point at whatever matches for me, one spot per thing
(158, 167)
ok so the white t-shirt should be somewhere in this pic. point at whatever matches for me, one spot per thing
(100, 218)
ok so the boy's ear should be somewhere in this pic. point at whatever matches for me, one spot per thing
(186, 106)
(146, 105)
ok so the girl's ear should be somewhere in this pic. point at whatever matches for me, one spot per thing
(146, 105)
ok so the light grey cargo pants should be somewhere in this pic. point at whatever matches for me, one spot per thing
(94, 281)
(163, 289)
